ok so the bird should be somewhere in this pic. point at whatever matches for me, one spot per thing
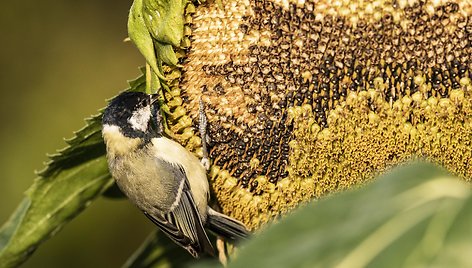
(162, 178)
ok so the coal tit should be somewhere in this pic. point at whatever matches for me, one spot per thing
(162, 178)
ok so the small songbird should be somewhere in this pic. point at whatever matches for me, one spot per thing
(162, 178)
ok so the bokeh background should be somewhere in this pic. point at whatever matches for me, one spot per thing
(59, 61)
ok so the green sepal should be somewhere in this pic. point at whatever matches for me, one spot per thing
(166, 54)
(165, 20)
(139, 34)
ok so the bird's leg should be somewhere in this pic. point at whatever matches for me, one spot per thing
(203, 134)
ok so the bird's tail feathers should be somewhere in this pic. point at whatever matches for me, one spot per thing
(226, 226)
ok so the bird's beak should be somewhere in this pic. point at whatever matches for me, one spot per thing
(154, 98)
(156, 120)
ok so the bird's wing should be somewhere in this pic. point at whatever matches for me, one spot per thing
(183, 223)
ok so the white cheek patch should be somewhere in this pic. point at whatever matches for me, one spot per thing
(140, 118)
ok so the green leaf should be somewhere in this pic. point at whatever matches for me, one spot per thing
(165, 20)
(138, 84)
(7, 230)
(63, 190)
(159, 251)
(73, 178)
(87, 144)
(141, 37)
(414, 216)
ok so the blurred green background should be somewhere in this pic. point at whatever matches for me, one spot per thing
(59, 61)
